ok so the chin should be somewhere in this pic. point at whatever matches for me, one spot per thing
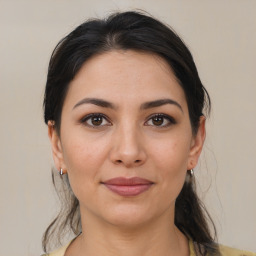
(128, 217)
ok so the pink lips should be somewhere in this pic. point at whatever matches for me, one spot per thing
(128, 186)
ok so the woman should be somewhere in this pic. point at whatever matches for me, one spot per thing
(125, 108)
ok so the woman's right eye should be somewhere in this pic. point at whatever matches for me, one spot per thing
(95, 120)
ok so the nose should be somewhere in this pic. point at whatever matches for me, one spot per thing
(127, 147)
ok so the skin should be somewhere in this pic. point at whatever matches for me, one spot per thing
(127, 143)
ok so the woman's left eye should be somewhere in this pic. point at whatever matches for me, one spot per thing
(161, 120)
(95, 120)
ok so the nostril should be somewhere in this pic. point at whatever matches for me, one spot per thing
(136, 161)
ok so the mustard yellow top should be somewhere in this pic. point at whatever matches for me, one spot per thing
(225, 251)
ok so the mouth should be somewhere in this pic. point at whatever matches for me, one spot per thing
(128, 186)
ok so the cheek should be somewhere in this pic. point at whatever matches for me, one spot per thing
(171, 154)
(170, 159)
(77, 156)
(82, 152)
(84, 160)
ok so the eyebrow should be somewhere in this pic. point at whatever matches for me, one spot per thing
(144, 106)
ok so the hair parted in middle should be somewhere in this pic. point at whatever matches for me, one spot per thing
(132, 30)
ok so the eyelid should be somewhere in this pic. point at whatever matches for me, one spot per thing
(87, 117)
(170, 119)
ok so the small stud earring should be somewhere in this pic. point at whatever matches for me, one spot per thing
(61, 172)
(189, 176)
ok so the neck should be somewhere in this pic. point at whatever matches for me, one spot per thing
(159, 237)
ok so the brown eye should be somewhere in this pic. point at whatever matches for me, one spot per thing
(157, 120)
(95, 120)
(161, 121)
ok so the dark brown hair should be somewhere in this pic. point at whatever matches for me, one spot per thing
(140, 32)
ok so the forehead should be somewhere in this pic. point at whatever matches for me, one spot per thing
(125, 76)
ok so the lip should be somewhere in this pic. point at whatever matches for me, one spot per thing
(122, 181)
(128, 186)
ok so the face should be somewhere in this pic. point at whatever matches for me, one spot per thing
(125, 115)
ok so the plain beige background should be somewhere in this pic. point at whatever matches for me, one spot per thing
(222, 37)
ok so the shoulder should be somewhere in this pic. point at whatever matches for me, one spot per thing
(228, 251)
(59, 252)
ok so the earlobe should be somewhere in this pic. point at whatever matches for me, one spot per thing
(56, 147)
(197, 144)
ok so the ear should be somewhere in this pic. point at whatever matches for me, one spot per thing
(197, 143)
(56, 147)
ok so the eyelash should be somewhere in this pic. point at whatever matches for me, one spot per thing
(170, 119)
